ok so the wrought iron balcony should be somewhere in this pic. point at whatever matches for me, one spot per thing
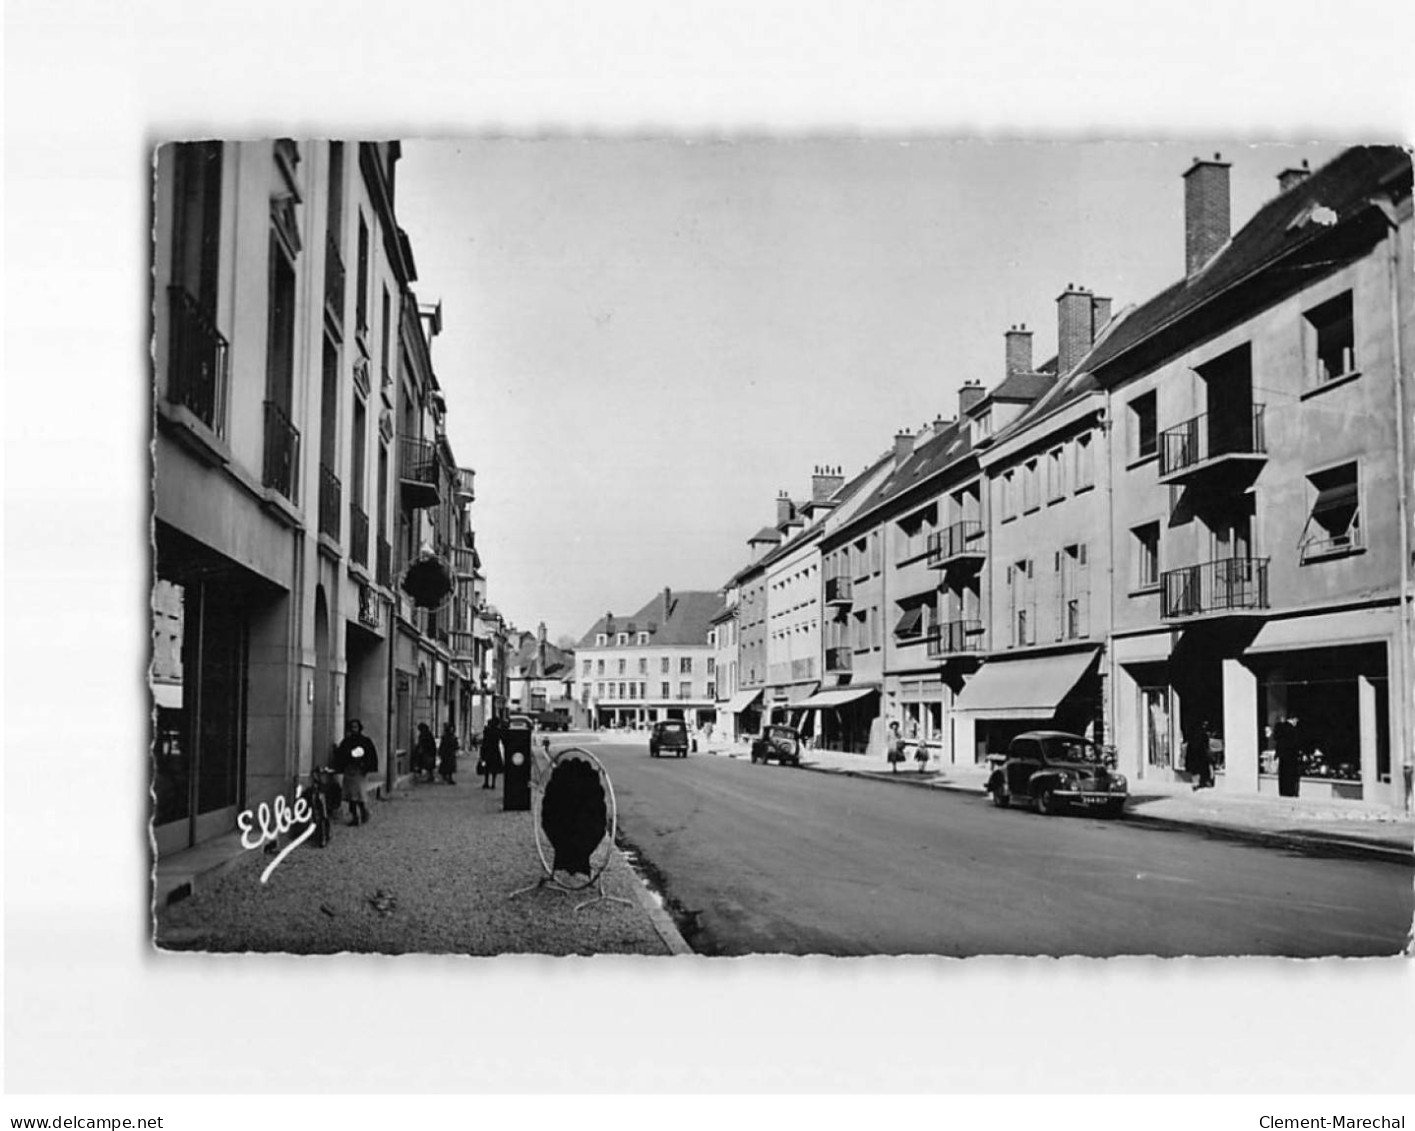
(197, 361)
(282, 453)
(838, 590)
(838, 659)
(358, 534)
(954, 638)
(419, 472)
(1211, 446)
(333, 279)
(962, 542)
(370, 608)
(330, 495)
(384, 571)
(466, 484)
(1225, 586)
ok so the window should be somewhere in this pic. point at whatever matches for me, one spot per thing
(1144, 436)
(361, 298)
(663, 690)
(1029, 486)
(623, 691)
(663, 666)
(1009, 495)
(1073, 594)
(387, 334)
(1147, 555)
(622, 638)
(1056, 480)
(1085, 467)
(1021, 602)
(643, 638)
(586, 670)
(685, 665)
(643, 666)
(599, 667)
(711, 690)
(623, 666)
(711, 666)
(1331, 335)
(1334, 525)
(685, 690)
(600, 640)
(599, 691)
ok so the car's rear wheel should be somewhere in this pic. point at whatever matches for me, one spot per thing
(1046, 803)
(1000, 799)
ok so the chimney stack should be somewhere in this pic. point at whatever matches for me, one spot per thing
(1206, 214)
(969, 395)
(825, 482)
(1019, 349)
(1075, 327)
(1293, 176)
(1100, 315)
(784, 508)
(609, 625)
(903, 446)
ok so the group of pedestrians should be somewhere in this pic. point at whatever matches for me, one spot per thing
(436, 759)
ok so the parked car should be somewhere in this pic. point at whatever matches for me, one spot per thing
(669, 737)
(1053, 770)
(778, 742)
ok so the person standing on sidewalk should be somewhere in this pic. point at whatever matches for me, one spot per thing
(895, 746)
(447, 754)
(1289, 762)
(425, 752)
(490, 761)
(356, 757)
(1196, 756)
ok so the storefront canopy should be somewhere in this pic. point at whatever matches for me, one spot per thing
(836, 698)
(742, 700)
(1023, 689)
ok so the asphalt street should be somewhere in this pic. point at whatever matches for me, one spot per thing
(766, 859)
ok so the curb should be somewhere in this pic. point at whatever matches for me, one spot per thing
(1385, 851)
(659, 918)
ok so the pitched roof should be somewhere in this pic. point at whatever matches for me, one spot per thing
(765, 534)
(688, 618)
(1281, 226)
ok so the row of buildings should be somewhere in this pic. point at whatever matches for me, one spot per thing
(1193, 519)
(314, 557)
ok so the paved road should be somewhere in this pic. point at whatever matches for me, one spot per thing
(770, 859)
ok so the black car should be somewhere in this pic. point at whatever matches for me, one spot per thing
(1054, 770)
(669, 737)
(778, 742)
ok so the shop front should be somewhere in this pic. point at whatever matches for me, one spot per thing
(1007, 697)
(842, 717)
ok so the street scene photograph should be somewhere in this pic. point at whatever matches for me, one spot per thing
(798, 546)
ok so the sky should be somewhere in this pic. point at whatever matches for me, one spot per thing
(645, 340)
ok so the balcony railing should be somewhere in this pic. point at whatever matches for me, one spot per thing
(384, 573)
(838, 659)
(464, 561)
(282, 453)
(1208, 440)
(358, 534)
(1226, 585)
(838, 590)
(370, 608)
(463, 645)
(960, 541)
(197, 361)
(333, 279)
(330, 494)
(954, 637)
(467, 484)
(419, 472)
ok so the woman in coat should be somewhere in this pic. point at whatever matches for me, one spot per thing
(491, 763)
(447, 754)
(425, 752)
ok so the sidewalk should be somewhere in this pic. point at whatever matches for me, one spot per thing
(1350, 827)
(433, 872)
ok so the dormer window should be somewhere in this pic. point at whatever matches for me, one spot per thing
(622, 638)
(601, 639)
(643, 638)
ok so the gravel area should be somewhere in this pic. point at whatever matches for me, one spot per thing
(431, 873)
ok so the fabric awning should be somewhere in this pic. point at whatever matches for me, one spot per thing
(1024, 689)
(742, 700)
(798, 692)
(836, 697)
(168, 695)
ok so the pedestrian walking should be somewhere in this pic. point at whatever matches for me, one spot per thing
(1287, 739)
(896, 747)
(425, 752)
(447, 754)
(490, 764)
(1197, 759)
(356, 757)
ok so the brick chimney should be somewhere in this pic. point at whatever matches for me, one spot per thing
(540, 648)
(1074, 327)
(1293, 176)
(1206, 212)
(1019, 349)
(903, 446)
(969, 395)
(785, 509)
(667, 602)
(825, 482)
(609, 626)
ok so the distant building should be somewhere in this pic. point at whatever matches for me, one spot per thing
(659, 663)
(542, 677)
